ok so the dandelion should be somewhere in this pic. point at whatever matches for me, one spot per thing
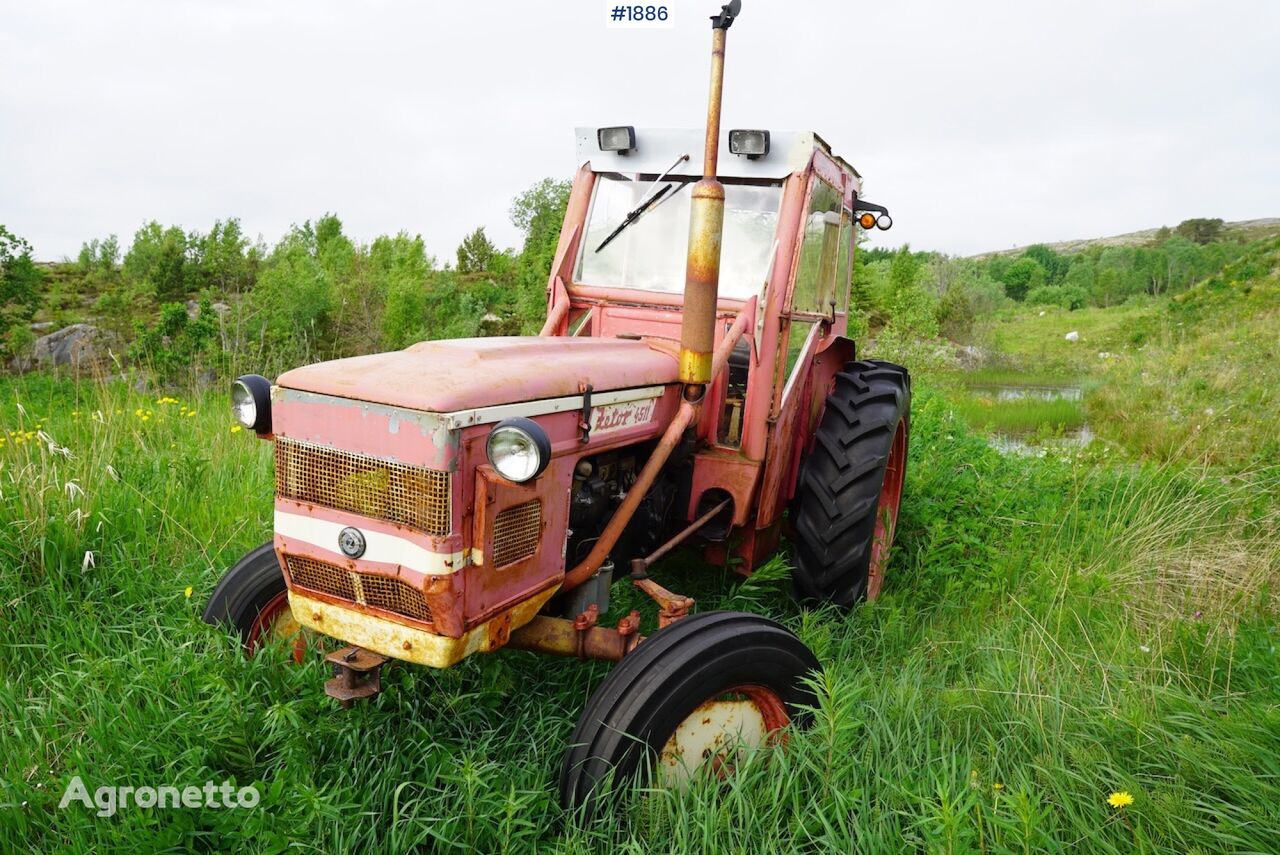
(1120, 800)
(236, 428)
(189, 591)
(997, 786)
(190, 413)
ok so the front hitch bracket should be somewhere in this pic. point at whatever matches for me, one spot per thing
(357, 673)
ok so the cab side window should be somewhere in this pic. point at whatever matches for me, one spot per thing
(843, 264)
(819, 280)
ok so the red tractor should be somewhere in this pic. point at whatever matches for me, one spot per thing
(692, 384)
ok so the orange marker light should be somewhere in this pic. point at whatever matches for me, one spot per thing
(867, 220)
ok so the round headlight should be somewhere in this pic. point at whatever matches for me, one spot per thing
(251, 402)
(519, 449)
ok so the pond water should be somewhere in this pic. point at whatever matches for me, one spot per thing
(1021, 444)
(1006, 392)
(1007, 444)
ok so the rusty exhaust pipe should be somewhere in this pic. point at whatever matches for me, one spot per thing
(706, 228)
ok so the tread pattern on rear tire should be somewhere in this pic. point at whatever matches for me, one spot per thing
(646, 696)
(243, 590)
(838, 491)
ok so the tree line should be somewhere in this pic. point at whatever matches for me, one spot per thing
(215, 300)
(906, 294)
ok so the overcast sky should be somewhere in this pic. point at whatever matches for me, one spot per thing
(980, 125)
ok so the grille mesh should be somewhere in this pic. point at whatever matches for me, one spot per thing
(322, 576)
(408, 495)
(394, 595)
(367, 589)
(516, 532)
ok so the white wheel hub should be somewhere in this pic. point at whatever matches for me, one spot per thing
(715, 733)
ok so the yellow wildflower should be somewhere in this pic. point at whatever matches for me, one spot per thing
(1120, 800)
(236, 428)
(191, 413)
(997, 786)
(188, 592)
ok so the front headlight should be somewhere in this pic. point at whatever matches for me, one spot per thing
(519, 449)
(251, 402)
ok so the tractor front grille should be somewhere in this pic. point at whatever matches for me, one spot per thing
(367, 589)
(516, 533)
(408, 495)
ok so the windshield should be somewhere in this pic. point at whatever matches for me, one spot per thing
(650, 254)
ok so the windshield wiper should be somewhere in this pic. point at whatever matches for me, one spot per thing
(651, 200)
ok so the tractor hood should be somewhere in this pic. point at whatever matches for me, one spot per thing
(468, 373)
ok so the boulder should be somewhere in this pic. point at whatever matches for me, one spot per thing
(193, 308)
(77, 346)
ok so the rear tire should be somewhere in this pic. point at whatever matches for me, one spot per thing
(253, 599)
(846, 505)
(750, 669)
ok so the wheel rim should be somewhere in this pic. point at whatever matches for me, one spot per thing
(275, 621)
(895, 469)
(712, 736)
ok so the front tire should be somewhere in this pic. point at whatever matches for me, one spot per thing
(682, 699)
(846, 507)
(253, 599)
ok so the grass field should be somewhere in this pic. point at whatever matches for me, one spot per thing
(1052, 631)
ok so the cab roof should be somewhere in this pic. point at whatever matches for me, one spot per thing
(657, 148)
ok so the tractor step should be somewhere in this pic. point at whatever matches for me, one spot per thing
(357, 673)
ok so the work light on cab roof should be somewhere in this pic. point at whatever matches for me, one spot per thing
(692, 388)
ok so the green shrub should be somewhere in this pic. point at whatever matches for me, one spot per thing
(20, 282)
(178, 345)
(1066, 296)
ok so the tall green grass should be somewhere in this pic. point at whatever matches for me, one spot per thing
(1019, 416)
(1050, 632)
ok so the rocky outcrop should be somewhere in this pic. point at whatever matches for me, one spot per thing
(79, 346)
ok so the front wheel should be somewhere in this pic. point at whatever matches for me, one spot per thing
(685, 701)
(253, 599)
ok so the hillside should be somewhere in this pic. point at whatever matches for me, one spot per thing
(1192, 378)
(1240, 230)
